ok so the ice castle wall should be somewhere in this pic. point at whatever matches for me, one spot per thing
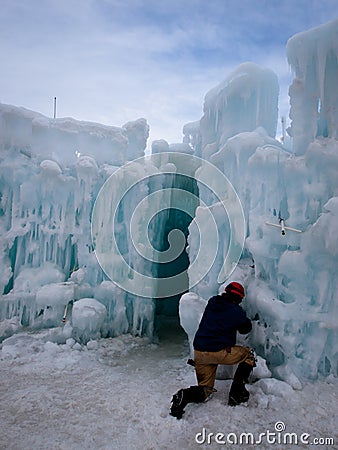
(290, 279)
(50, 174)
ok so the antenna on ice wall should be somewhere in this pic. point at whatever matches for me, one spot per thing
(54, 108)
(283, 129)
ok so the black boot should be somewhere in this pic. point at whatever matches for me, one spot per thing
(238, 394)
(193, 394)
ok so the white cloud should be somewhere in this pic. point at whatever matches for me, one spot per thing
(113, 61)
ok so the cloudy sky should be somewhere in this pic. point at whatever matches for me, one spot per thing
(111, 61)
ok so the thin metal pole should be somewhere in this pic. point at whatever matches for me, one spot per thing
(54, 107)
(283, 129)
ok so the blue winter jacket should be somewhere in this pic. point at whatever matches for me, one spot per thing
(220, 321)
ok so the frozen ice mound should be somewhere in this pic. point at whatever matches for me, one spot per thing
(88, 319)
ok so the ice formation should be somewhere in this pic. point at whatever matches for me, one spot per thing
(52, 171)
(246, 99)
(313, 57)
(290, 280)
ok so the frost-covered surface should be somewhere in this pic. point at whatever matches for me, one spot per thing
(115, 394)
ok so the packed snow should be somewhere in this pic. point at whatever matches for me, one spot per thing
(115, 394)
(90, 356)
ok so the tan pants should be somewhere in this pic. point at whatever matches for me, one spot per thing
(207, 362)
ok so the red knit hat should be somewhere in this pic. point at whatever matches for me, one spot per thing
(235, 288)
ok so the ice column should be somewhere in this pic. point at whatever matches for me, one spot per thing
(313, 56)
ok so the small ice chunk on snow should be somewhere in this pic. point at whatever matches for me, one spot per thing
(70, 342)
(275, 387)
(92, 345)
(261, 370)
(77, 346)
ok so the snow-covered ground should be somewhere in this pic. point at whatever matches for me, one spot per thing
(115, 394)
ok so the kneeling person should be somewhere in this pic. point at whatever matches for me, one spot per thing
(215, 343)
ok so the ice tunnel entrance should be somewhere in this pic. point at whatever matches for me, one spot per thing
(166, 323)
